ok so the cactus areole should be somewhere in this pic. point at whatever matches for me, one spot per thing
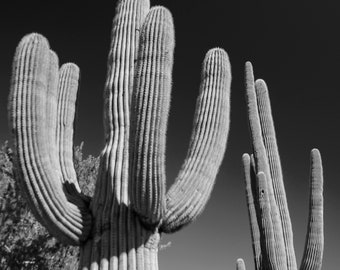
(121, 226)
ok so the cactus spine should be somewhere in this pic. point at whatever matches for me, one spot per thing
(271, 229)
(121, 226)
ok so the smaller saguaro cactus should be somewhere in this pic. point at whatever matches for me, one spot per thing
(271, 229)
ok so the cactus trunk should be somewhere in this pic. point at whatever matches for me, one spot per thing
(124, 245)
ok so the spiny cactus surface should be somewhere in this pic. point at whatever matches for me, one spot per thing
(271, 229)
(120, 227)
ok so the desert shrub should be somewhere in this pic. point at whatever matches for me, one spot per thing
(24, 242)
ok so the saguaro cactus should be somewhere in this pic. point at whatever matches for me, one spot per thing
(121, 226)
(240, 265)
(271, 229)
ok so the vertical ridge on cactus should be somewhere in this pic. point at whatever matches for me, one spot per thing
(120, 227)
(274, 223)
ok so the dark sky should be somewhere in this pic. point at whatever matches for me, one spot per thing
(293, 45)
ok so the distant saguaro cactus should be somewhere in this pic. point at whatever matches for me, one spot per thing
(120, 227)
(240, 265)
(271, 229)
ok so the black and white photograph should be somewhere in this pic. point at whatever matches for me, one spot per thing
(168, 135)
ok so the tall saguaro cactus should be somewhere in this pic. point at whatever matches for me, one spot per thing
(121, 226)
(271, 229)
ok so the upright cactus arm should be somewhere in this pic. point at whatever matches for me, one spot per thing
(68, 87)
(240, 265)
(112, 181)
(268, 244)
(37, 94)
(269, 139)
(260, 135)
(187, 197)
(313, 253)
(267, 163)
(151, 102)
(250, 180)
(114, 229)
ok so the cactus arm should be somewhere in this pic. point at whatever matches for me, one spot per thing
(33, 102)
(68, 87)
(150, 103)
(267, 228)
(313, 253)
(188, 195)
(262, 160)
(52, 103)
(250, 181)
(111, 198)
(269, 140)
(254, 122)
(240, 265)
(127, 23)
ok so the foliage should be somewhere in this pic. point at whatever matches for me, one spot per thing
(24, 242)
(86, 169)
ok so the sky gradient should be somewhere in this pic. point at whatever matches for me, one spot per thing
(294, 47)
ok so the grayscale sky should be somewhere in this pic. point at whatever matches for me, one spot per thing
(293, 45)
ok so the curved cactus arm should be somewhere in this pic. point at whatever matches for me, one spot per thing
(258, 110)
(250, 181)
(33, 104)
(240, 265)
(313, 253)
(187, 197)
(151, 101)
